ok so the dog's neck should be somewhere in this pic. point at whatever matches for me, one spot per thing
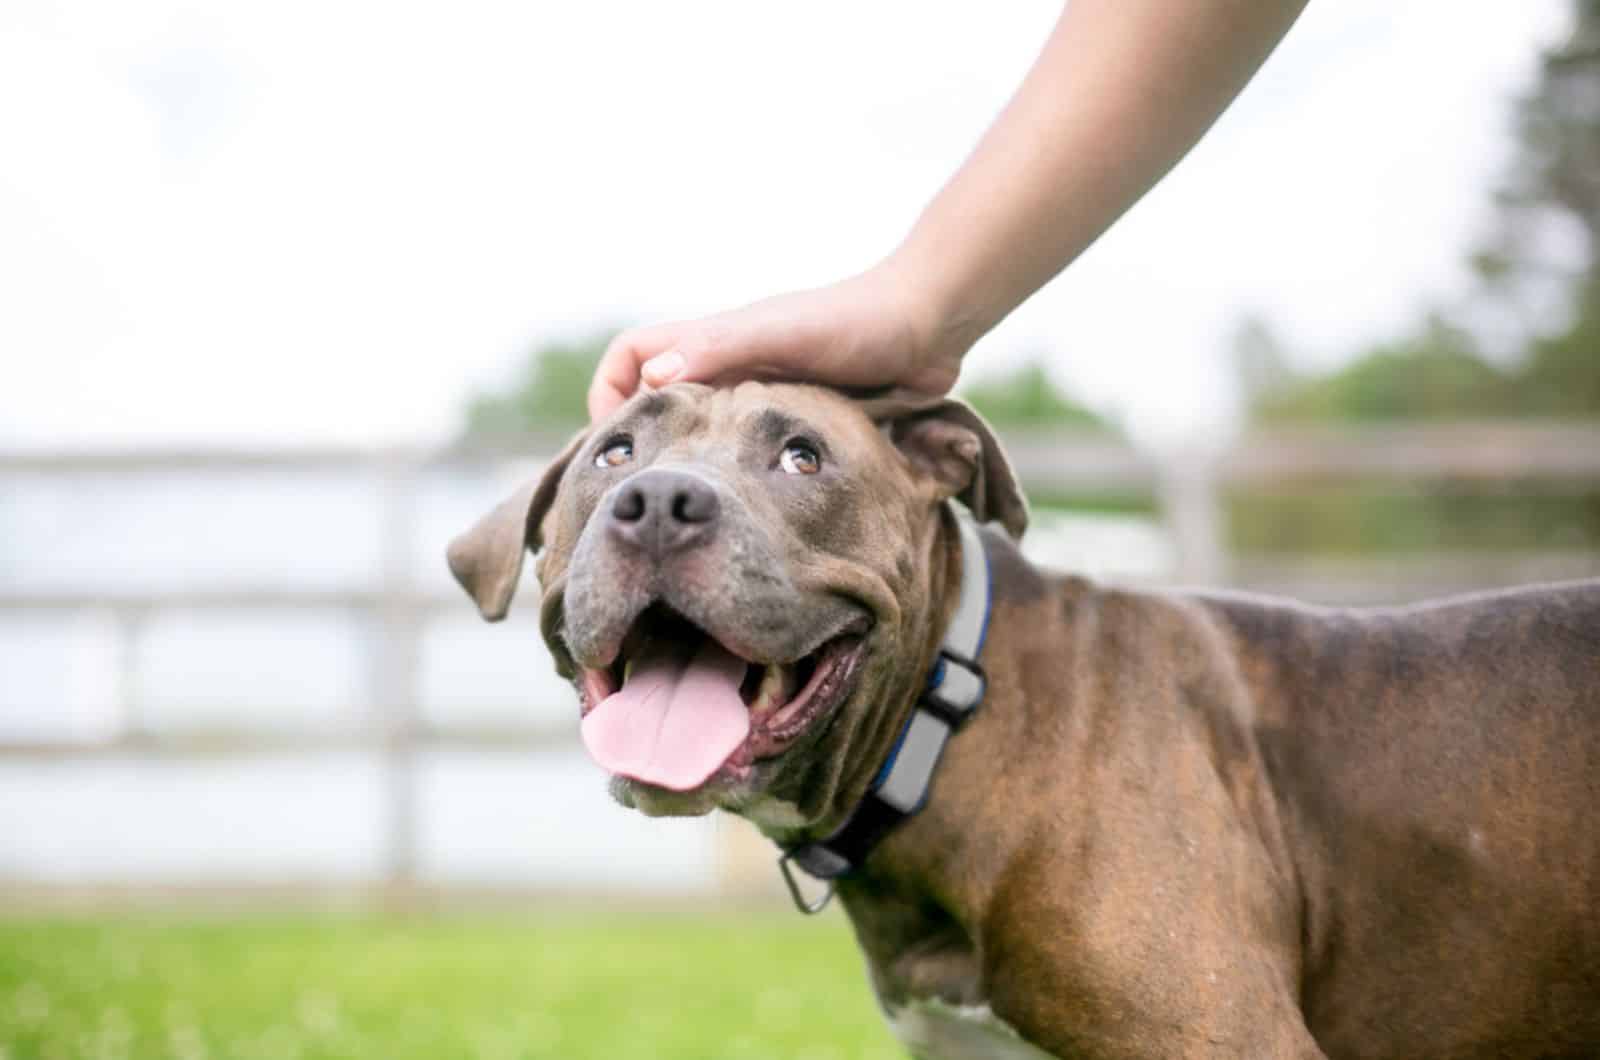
(921, 904)
(915, 902)
(942, 558)
(938, 710)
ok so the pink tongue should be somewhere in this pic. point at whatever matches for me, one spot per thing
(676, 719)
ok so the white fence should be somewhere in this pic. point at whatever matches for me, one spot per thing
(250, 668)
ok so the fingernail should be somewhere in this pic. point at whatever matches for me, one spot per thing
(663, 368)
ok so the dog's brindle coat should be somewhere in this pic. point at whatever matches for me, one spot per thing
(1181, 824)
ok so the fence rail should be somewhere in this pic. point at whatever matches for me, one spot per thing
(1188, 489)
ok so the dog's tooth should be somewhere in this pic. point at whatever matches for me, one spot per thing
(770, 695)
(627, 670)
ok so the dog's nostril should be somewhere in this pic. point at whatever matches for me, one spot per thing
(663, 509)
(629, 505)
(694, 506)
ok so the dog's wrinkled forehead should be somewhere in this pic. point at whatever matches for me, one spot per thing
(737, 434)
(700, 421)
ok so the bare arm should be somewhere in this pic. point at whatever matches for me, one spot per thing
(1121, 91)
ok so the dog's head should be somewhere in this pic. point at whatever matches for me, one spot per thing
(739, 584)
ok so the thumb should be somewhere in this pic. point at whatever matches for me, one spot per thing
(698, 357)
(663, 368)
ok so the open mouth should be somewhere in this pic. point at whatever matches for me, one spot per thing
(676, 706)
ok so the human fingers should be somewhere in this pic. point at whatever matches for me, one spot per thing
(720, 349)
(618, 374)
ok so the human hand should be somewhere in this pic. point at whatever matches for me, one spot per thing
(869, 330)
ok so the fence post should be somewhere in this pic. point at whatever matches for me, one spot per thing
(394, 676)
(1191, 504)
(128, 626)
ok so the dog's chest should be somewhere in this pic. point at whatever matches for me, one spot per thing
(929, 979)
(936, 1030)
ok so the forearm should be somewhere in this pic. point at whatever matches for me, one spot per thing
(1121, 91)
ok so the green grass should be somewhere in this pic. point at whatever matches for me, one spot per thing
(495, 987)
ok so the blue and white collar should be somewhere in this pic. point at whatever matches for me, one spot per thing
(955, 687)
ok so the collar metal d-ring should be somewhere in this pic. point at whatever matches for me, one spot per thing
(810, 907)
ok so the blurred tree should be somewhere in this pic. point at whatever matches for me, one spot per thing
(1554, 179)
(1562, 374)
(1548, 230)
(1027, 397)
(1435, 374)
(548, 395)
(1547, 234)
(1543, 250)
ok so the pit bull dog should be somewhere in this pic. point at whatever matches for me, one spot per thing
(1179, 824)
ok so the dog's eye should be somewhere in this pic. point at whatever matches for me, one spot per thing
(618, 451)
(800, 458)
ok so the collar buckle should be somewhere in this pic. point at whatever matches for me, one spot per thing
(955, 690)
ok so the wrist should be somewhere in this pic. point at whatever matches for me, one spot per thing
(947, 314)
(940, 328)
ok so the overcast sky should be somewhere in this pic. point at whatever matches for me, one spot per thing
(299, 222)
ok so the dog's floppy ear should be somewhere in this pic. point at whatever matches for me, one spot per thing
(487, 559)
(946, 440)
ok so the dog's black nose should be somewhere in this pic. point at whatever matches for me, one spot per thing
(661, 510)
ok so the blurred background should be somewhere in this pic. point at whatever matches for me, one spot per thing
(290, 293)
